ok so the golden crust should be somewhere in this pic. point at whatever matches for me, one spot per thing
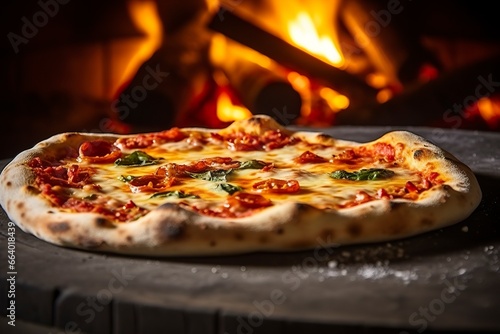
(256, 125)
(171, 230)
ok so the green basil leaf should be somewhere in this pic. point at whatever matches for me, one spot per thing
(212, 175)
(363, 174)
(229, 188)
(136, 158)
(376, 174)
(342, 174)
(126, 178)
(176, 194)
(252, 164)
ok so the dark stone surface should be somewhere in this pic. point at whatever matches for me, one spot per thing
(443, 281)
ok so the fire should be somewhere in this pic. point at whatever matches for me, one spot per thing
(144, 14)
(228, 112)
(304, 34)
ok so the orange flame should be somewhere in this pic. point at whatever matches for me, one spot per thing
(228, 112)
(145, 16)
(305, 35)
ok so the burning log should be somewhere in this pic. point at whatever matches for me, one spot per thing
(443, 101)
(260, 89)
(242, 31)
(164, 86)
(392, 50)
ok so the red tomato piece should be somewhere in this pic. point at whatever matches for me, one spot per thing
(99, 151)
(385, 151)
(150, 183)
(245, 143)
(205, 165)
(78, 205)
(249, 201)
(346, 156)
(39, 163)
(309, 157)
(362, 197)
(276, 139)
(149, 139)
(171, 135)
(77, 175)
(383, 194)
(140, 141)
(410, 187)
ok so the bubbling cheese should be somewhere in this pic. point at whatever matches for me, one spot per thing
(317, 188)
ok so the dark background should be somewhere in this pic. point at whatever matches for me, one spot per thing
(67, 75)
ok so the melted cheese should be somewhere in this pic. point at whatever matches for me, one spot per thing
(317, 187)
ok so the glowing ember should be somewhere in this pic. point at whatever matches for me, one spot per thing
(384, 95)
(305, 35)
(298, 81)
(335, 100)
(489, 108)
(377, 80)
(228, 112)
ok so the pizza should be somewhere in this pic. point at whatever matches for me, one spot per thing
(252, 186)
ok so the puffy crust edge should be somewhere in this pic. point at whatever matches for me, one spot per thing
(172, 231)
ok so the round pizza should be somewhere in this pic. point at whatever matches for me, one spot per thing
(252, 186)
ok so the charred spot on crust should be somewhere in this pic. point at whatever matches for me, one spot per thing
(8, 184)
(168, 230)
(324, 137)
(280, 231)
(86, 242)
(304, 209)
(129, 238)
(263, 240)
(396, 205)
(174, 226)
(103, 222)
(447, 188)
(212, 243)
(256, 120)
(354, 230)
(20, 205)
(33, 190)
(239, 236)
(59, 227)
(418, 154)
